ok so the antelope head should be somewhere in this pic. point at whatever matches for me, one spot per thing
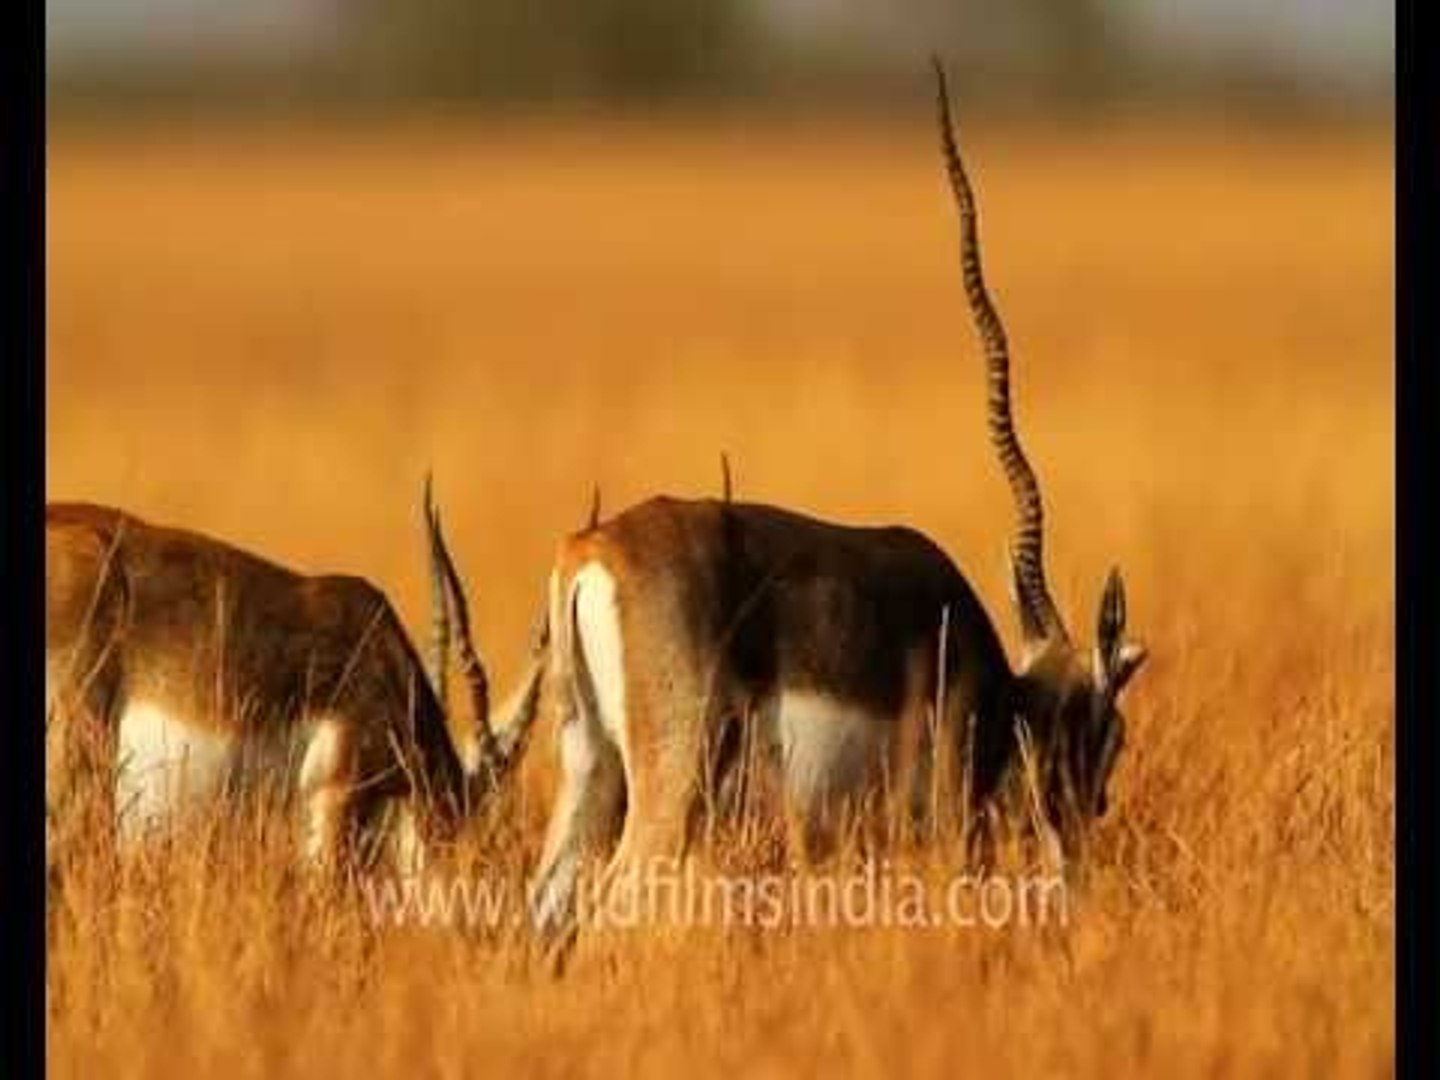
(1067, 695)
(1065, 692)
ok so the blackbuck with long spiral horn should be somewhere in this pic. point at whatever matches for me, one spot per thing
(180, 669)
(685, 629)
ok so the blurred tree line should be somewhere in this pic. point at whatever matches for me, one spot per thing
(360, 53)
(646, 49)
(501, 49)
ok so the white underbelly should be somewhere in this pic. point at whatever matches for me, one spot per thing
(829, 750)
(165, 766)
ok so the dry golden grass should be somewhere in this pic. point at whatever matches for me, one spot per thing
(270, 337)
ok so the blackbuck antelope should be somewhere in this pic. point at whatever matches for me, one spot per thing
(685, 629)
(180, 669)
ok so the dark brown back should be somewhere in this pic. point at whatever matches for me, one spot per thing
(792, 601)
(230, 639)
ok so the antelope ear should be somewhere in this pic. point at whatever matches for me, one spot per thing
(1128, 659)
(1111, 624)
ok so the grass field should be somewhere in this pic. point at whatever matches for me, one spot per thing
(271, 336)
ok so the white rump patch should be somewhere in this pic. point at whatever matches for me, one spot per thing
(164, 765)
(597, 623)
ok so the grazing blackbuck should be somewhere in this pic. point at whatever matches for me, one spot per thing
(180, 669)
(686, 629)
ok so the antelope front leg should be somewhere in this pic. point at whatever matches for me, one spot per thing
(327, 790)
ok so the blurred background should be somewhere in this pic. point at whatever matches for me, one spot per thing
(302, 250)
(1330, 54)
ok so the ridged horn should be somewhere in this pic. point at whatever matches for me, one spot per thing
(515, 717)
(1038, 614)
(437, 664)
(471, 666)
